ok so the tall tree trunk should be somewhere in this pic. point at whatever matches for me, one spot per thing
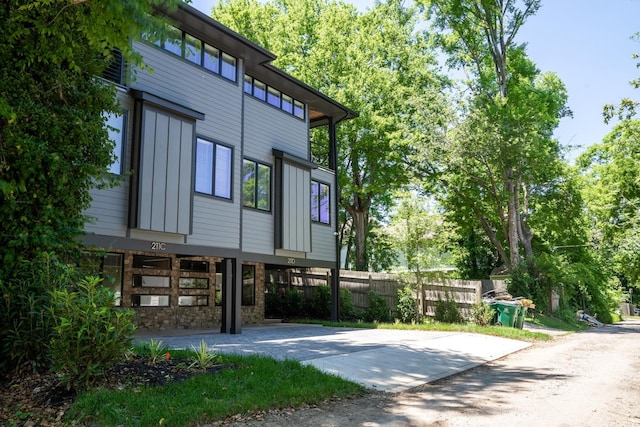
(360, 226)
(513, 221)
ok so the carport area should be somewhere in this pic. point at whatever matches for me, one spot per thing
(380, 359)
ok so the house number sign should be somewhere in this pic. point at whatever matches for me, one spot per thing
(158, 246)
(291, 260)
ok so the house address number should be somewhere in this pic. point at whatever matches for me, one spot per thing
(291, 260)
(158, 246)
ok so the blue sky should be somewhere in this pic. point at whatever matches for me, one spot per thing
(588, 44)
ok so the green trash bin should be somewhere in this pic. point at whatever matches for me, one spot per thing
(507, 312)
(520, 320)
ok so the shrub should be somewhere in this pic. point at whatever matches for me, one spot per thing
(292, 304)
(407, 307)
(320, 304)
(447, 310)
(272, 302)
(482, 314)
(24, 310)
(378, 310)
(90, 334)
(347, 310)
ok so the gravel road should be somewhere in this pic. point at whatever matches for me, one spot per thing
(582, 379)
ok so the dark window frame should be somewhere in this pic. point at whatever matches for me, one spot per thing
(316, 205)
(255, 201)
(214, 170)
(248, 283)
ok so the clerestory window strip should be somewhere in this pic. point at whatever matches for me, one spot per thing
(273, 96)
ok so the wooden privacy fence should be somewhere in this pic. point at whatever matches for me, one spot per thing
(464, 292)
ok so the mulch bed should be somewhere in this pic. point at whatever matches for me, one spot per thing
(33, 398)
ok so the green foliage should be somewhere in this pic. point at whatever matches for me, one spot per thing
(272, 302)
(202, 356)
(320, 305)
(156, 349)
(378, 310)
(251, 384)
(347, 309)
(292, 303)
(54, 146)
(394, 84)
(447, 310)
(89, 333)
(26, 320)
(482, 314)
(407, 307)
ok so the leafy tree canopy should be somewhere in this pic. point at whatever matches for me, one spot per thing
(53, 143)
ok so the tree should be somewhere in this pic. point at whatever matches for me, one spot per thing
(54, 146)
(376, 63)
(627, 108)
(501, 152)
(612, 190)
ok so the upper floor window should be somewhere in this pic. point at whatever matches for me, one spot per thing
(272, 96)
(213, 169)
(256, 185)
(320, 211)
(115, 128)
(200, 53)
(115, 71)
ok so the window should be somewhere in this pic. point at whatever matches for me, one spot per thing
(259, 90)
(320, 202)
(143, 281)
(256, 185)
(287, 103)
(211, 59)
(213, 169)
(197, 52)
(219, 279)
(158, 263)
(193, 300)
(273, 97)
(115, 127)
(298, 109)
(192, 49)
(228, 67)
(248, 285)
(194, 283)
(193, 265)
(112, 275)
(150, 300)
(115, 71)
(173, 42)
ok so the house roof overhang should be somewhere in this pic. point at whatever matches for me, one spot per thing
(257, 62)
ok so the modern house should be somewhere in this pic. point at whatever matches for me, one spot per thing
(218, 185)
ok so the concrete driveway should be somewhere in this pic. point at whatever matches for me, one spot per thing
(380, 359)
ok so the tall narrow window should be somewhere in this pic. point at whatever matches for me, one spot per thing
(112, 275)
(228, 67)
(192, 49)
(213, 169)
(256, 185)
(211, 58)
(115, 127)
(320, 211)
(173, 42)
(248, 285)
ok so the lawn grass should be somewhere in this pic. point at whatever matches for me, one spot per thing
(499, 331)
(255, 383)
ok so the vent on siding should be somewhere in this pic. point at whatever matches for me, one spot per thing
(115, 72)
